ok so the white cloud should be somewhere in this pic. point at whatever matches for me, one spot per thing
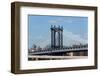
(71, 38)
(42, 41)
(58, 20)
(53, 21)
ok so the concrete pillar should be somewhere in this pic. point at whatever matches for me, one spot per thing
(71, 54)
(36, 58)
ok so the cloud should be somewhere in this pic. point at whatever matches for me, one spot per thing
(60, 20)
(71, 38)
(42, 40)
(85, 36)
(53, 21)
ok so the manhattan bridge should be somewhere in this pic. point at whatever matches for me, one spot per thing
(57, 50)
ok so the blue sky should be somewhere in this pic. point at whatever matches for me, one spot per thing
(75, 29)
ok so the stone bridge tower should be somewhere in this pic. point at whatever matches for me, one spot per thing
(56, 37)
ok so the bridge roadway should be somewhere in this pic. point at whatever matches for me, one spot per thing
(58, 51)
(37, 57)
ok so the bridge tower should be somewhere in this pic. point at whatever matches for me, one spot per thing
(56, 37)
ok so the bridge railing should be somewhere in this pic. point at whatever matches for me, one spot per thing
(64, 48)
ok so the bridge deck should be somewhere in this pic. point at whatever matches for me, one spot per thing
(57, 57)
(61, 50)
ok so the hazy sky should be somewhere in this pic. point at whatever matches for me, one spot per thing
(75, 29)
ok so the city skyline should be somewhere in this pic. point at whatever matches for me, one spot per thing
(75, 29)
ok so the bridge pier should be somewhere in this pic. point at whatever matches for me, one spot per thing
(56, 37)
(71, 54)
